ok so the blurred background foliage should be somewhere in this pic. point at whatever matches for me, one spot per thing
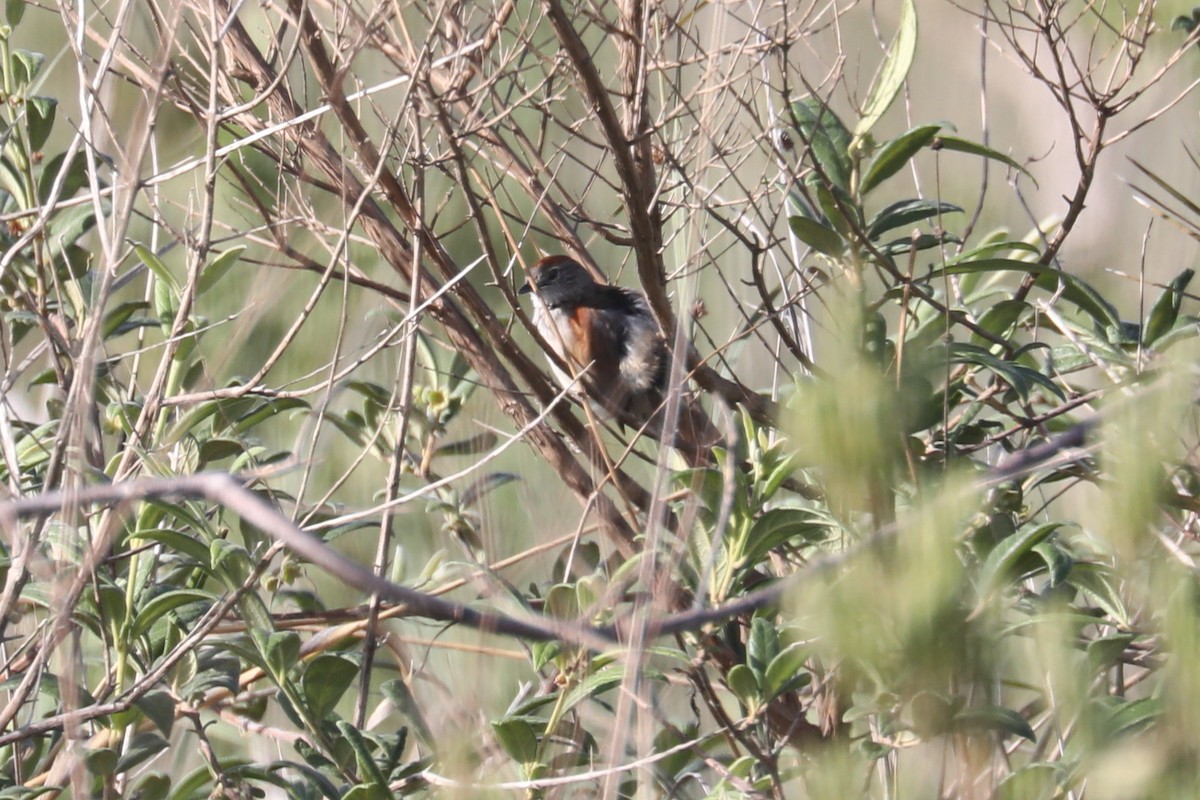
(935, 260)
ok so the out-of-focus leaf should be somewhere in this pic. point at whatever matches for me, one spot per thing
(1058, 560)
(13, 11)
(1188, 203)
(479, 443)
(1099, 582)
(1129, 716)
(994, 718)
(1102, 653)
(484, 486)
(1037, 781)
(401, 698)
(518, 738)
(997, 569)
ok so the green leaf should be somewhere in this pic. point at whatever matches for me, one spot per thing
(932, 713)
(181, 544)
(1019, 377)
(216, 668)
(216, 269)
(518, 739)
(1099, 582)
(154, 786)
(923, 241)
(890, 78)
(472, 445)
(39, 119)
(159, 708)
(265, 409)
(281, 652)
(484, 486)
(744, 685)
(13, 11)
(326, 679)
(219, 448)
(779, 525)
(595, 684)
(562, 601)
(160, 605)
(68, 227)
(1166, 308)
(1000, 562)
(74, 179)
(101, 761)
(894, 154)
(1058, 560)
(26, 66)
(960, 145)
(994, 249)
(784, 672)
(837, 206)
(1038, 781)
(142, 747)
(231, 560)
(401, 698)
(817, 236)
(907, 212)
(116, 319)
(1000, 318)
(1130, 716)
(762, 647)
(367, 791)
(994, 718)
(1102, 653)
(1048, 278)
(368, 770)
(826, 137)
(166, 288)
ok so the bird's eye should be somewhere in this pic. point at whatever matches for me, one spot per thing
(552, 274)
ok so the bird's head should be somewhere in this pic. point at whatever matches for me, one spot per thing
(558, 281)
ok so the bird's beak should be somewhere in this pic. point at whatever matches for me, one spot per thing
(526, 288)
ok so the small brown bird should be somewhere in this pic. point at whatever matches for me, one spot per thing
(609, 337)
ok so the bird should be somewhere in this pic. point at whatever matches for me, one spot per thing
(612, 346)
